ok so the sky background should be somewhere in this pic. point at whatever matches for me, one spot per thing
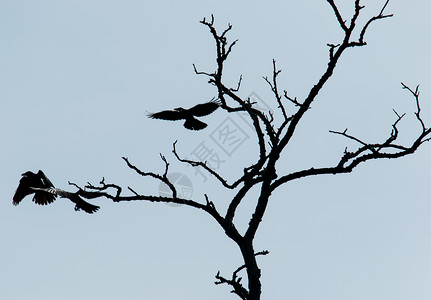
(76, 81)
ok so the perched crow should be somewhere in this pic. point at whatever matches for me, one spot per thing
(45, 193)
(189, 115)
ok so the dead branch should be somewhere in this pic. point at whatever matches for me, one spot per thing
(235, 282)
(163, 178)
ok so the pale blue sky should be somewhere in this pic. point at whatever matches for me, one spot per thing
(76, 81)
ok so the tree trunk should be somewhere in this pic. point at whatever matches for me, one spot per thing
(253, 271)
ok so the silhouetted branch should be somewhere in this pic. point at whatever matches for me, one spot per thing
(205, 166)
(415, 94)
(293, 100)
(163, 178)
(221, 41)
(335, 53)
(98, 191)
(349, 29)
(274, 88)
(264, 252)
(268, 186)
(332, 48)
(344, 133)
(242, 192)
(350, 160)
(103, 187)
(216, 79)
(203, 73)
(338, 15)
(238, 288)
(238, 86)
(133, 191)
(235, 282)
(379, 16)
(394, 132)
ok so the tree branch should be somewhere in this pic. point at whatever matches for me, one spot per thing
(379, 16)
(267, 185)
(163, 178)
(274, 88)
(208, 169)
(338, 15)
(235, 282)
(415, 94)
(350, 160)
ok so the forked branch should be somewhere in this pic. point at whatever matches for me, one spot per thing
(235, 281)
(368, 151)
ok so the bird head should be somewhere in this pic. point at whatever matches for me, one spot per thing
(28, 173)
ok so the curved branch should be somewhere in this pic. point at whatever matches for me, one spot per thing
(350, 160)
(415, 94)
(208, 169)
(230, 213)
(379, 16)
(163, 178)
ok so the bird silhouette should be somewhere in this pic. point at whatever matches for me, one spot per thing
(31, 180)
(188, 115)
(45, 192)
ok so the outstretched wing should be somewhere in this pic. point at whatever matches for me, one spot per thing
(170, 115)
(43, 198)
(204, 109)
(45, 181)
(40, 197)
(45, 192)
(194, 124)
(74, 197)
(84, 205)
(31, 180)
(22, 190)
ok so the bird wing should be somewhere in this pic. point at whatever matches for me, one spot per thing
(41, 197)
(194, 124)
(22, 190)
(204, 109)
(45, 192)
(46, 182)
(170, 115)
(74, 197)
(84, 205)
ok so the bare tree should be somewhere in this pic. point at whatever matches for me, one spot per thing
(272, 138)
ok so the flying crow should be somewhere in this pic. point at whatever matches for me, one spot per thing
(189, 115)
(45, 192)
(30, 180)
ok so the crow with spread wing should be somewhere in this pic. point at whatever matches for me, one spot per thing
(189, 115)
(45, 192)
